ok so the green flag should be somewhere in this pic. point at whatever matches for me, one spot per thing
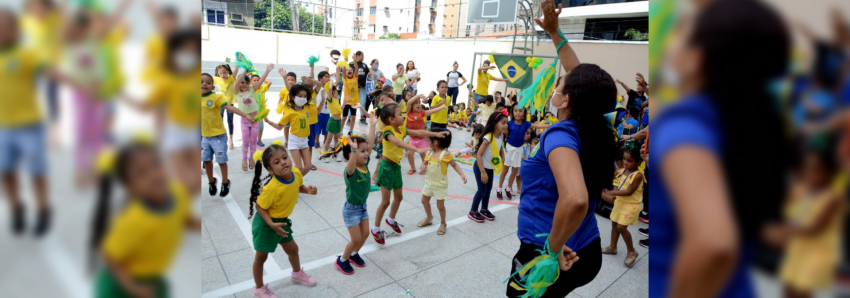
(515, 69)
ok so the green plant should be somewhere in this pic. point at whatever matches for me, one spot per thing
(636, 35)
(391, 36)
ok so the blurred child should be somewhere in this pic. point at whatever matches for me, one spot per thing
(485, 110)
(41, 23)
(351, 98)
(297, 120)
(489, 157)
(626, 204)
(141, 243)
(261, 96)
(274, 206)
(470, 146)
(437, 163)
(416, 121)
(334, 125)
(289, 79)
(224, 83)
(246, 96)
(156, 46)
(629, 124)
(355, 212)
(324, 109)
(214, 137)
(389, 173)
(518, 129)
(458, 118)
(531, 140)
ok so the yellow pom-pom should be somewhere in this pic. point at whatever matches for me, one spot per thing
(345, 53)
(105, 162)
(341, 64)
(258, 156)
(278, 142)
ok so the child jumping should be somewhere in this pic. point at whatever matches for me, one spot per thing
(389, 170)
(274, 206)
(437, 163)
(626, 204)
(357, 186)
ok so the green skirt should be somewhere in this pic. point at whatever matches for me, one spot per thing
(107, 286)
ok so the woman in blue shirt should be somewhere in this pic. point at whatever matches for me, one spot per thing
(717, 187)
(566, 172)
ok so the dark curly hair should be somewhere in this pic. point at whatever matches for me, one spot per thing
(297, 88)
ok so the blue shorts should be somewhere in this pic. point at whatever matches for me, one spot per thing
(261, 125)
(353, 214)
(314, 131)
(23, 144)
(477, 98)
(216, 145)
(363, 97)
(323, 123)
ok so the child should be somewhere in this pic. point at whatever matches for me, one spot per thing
(517, 131)
(459, 117)
(485, 109)
(224, 83)
(296, 119)
(334, 125)
(477, 129)
(274, 206)
(213, 133)
(626, 204)
(384, 98)
(489, 143)
(313, 108)
(630, 124)
(283, 101)
(351, 98)
(400, 83)
(357, 186)
(530, 141)
(470, 117)
(246, 97)
(812, 228)
(141, 243)
(389, 169)
(440, 118)
(437, 163)
(324, 107)
(261, 95)
(416, 121)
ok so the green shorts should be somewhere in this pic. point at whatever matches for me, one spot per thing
(389, 175)
(106, 286)
(334, 126)
(265, 238)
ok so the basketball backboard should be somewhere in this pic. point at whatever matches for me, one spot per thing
(492, 12)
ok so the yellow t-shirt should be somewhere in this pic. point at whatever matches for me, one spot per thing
(155, 50)
(18, 74)
(403, 107)
(333, 106)
(42, 35)
(444, 163)
(351, 90)
(224, 87)
(391, 151)
(312, 111)
(279, 197)
(298, 122)
(636, 196)
(483, 85)
(146, 240)
(486, 111)
(440, 117)
(179, 96)
(284, 99)
(211, 122)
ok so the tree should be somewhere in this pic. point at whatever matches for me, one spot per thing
(283, 17)
(636, 35)
(391, 36)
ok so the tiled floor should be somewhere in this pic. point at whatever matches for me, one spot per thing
(471, 259)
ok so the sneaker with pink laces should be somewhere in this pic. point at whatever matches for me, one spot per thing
(301, 277)
(264, 292)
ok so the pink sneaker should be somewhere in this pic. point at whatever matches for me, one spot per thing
(264, 292)
(301, 277)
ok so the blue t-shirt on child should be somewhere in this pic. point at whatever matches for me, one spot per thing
(517, 133)
(692, 121)
(629, 121)
(540, 195)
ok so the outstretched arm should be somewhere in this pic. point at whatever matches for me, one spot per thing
(623, 85)
(456, 166)
(434, 110)
(392, 139)
(549, 23)
(282, 73)
(425, 133)
(259, 83)
(239, 112)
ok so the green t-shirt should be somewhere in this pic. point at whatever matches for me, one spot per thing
(357, 185)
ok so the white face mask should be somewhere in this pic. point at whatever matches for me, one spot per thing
(300, 101)
(185, 61)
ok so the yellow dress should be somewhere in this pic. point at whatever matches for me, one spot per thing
(627, 208)
(810, 261)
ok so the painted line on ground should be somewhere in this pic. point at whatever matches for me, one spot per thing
(244, 226)
(272, 277)
(64, 268)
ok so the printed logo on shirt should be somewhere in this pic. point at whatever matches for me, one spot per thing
(359, 180)
(209, 103)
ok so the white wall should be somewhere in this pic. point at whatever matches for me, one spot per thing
(433, 58)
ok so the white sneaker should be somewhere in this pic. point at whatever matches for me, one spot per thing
(339, 158)
(327, 159)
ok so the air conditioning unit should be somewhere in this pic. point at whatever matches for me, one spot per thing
(433, 8)
(236, 17)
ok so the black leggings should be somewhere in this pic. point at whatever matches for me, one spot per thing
(453, 92)
(229, 121)
(482, 196)
(580, 274)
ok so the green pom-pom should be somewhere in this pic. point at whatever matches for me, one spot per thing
(312, 60)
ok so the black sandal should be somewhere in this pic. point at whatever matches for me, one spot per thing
(213, 188)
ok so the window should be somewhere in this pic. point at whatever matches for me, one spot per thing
(614, 28)
(359, 12)
(385, 29)
(433, 3)
(373, 10)
(215, 16)
(372, 28)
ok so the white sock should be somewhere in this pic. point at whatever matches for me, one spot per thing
(341, 259)
(354, 253)
(508, 189)
(391, 220)
(376, 229)
(498, 189)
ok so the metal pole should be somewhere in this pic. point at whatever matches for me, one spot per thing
(472, 79)
(459, 6)
(313, 23)
(272, 15)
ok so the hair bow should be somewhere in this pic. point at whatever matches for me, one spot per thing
(504, 112)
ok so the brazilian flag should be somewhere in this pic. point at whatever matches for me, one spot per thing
(515, 69)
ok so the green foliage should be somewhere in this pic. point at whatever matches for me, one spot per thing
(283, 17)
(636, 35)
(391, 36)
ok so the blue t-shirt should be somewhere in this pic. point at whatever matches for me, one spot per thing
(630, 121)
(645, 120)
(537, 202)
(694, 121)
(517, 133)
